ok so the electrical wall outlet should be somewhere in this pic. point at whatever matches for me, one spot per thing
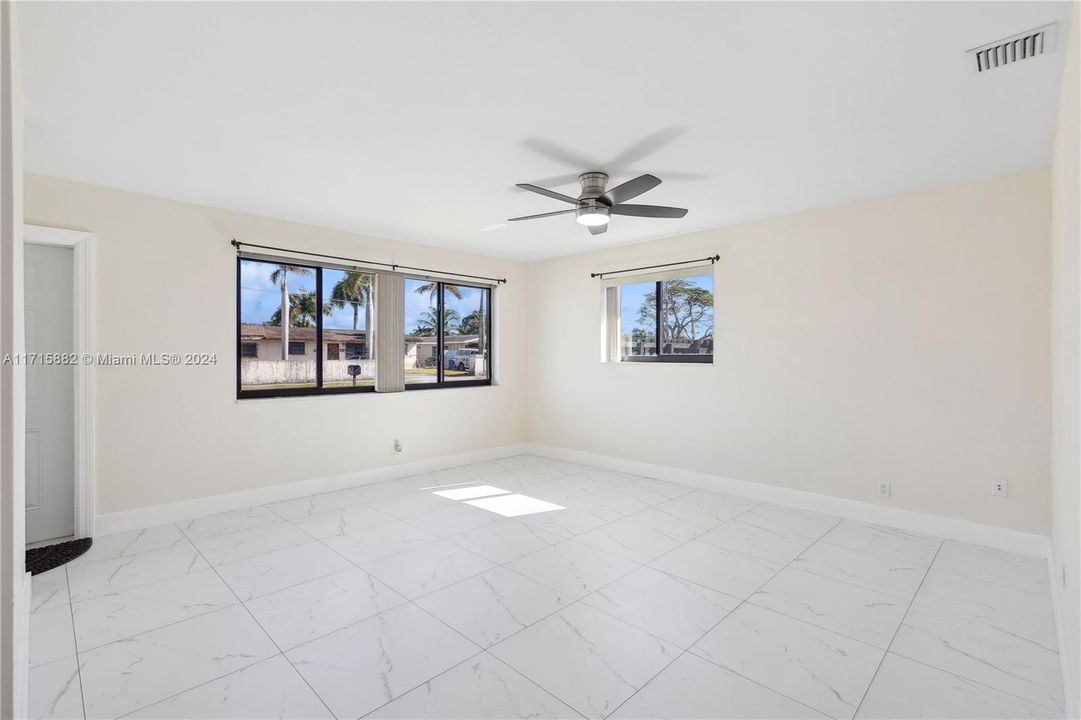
(1000, 488)
(884, 488)
(397, 446)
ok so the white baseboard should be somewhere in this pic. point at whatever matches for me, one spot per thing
(1059, 606)
(137, 519)
(938, 525)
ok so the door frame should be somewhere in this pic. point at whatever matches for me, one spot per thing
(82, 244)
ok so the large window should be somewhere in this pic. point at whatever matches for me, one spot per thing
(448, 332)
(667, 320)
(292, 321)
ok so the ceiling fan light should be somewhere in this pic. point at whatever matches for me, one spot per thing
(592, 216)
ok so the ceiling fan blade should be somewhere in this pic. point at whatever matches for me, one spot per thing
(630, 189)
(549, 193)
(598, 229)
(653, 211)
(534, 217)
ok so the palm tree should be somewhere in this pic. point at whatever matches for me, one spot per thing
(432, 288)
(428, 322)
(357, 289)
(280, 277)
(471, 324)
(302, 309)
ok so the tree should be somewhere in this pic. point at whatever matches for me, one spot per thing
(686, 312)
(432, 288)
(639, 337)
(429, 321)
(302, 309)
(357, 289)
(472, 324)
(280, 277)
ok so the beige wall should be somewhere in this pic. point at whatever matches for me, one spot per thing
(166, 283)
(902, 339)
(1066, 365)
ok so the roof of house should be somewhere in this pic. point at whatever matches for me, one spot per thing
(274, 332)
(453, 339)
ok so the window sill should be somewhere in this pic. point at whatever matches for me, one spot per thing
(259, 400)
(448, 386)
(661, 363)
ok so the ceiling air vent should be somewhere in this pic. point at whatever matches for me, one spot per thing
(1014, 49)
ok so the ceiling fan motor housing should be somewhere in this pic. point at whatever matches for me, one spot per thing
(593, 184)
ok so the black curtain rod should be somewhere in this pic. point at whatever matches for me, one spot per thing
(712, 259)
(237, 244)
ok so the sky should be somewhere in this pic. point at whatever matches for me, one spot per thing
(416, 304)
(259, 297)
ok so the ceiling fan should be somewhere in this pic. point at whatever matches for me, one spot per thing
(595, 206)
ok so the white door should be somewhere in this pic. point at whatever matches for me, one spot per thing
(50, 405)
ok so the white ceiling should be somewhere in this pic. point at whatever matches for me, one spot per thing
(414, 121)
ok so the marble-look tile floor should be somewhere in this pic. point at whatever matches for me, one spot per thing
(445, 596)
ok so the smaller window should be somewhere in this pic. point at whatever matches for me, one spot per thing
(678, 309)
(296, 347)
(354, 351)
(332, 351)
(249, 349)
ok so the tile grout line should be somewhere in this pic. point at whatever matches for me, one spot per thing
(292, 523)
(952, 614)
(614, 580)
(897, 630)
(954, 673)
(204, 684)
(75, 639)
(239, 602)
(486, 650)
(583, 597)
(411, 601)
(209, 568)
(576, 537)
(259, 625)
(408, 601)
(726, 616)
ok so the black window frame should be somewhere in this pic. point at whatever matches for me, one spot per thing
(440, 382)
(317, 388)
(254, 346)
(698, 358)
(303, 347)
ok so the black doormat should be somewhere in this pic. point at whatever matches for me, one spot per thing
(40, 559)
